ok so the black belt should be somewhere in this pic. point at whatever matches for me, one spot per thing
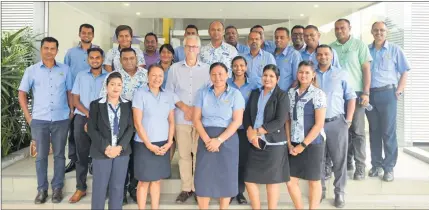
(332, 118)
(387, 87)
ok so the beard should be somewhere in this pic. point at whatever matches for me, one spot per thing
(85, 41)
(96, 67)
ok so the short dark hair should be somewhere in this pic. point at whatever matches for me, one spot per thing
(230, 26)
(256, 26)
(306, 63)
(123, 28)
(323, 46)
(49, 39)
(236, 58)
(113, 75)
(95, 49)
(129, 49)
(155, 65)
(168, 47)
(151, 34)
(283, 29)
(192, 26)
(273, 68)
(312, 27)
(343, 19)
(297, 27)
(86, 25)
(260, 34)
(218, 64)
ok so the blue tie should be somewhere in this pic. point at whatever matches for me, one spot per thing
(115, 120)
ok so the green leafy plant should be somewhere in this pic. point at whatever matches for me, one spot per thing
(17, 53)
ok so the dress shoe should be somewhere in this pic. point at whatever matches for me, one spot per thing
(339, 201)
(77, 196)
(183, 196)
(241, 199)
(41, 197)
(125, 200)
(328, 172)
(350, 167)
(230, 200)
(90, 168)
(57, 195)
(359, 174)
(71, 166)
(375, 171)
(388, 176)
(323, 196)
(133, 195)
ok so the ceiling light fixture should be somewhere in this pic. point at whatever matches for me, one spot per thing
(316, 6)
(302, 15)
(126, 4)
(137, 13)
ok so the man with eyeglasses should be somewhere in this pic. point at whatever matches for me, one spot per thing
(298, 38)
(184, 79)
(355, 58)
(389, 62)
(151, 54)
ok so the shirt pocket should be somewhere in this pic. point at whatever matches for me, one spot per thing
(387, 63)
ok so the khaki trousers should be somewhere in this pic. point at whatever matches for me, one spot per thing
(187, 143)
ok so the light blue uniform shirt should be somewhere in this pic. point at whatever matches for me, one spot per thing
(306, 56)
(242, 49)
(262, 102)
(179, 54)
(255, 65)
(388, 64)
(218, 111)
(155, 113)
(49, 87)
(334, 83)
(287, 62)
(88, 87)
(245, 89)
(76, 59)
(269, 46)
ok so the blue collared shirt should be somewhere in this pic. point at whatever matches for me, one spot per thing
(245, 89)
(302, 48)
(334, 83)
(306, 56)
(255, 65)
(155, 113)
(262, 102)
(184, 82)
(49, 87)
(242, 49)
(164, 83)
(113, 57)
(287, 62)
(111, 115)
(224, 54)
(269, 46)
(218, 111)
(88, 87)
(302, 113)
(76, 59)
(179, 54)
(129, 83)
(388, 62)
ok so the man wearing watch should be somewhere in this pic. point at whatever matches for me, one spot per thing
(389, 61)
(333, 81)
(355, 58)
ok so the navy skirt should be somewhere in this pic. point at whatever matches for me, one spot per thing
(149, 167)
(216, 173)
(308, 164)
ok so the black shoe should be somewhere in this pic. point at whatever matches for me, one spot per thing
(375, 171)
(388, 176)
(241, 199)
(183, 196)
(195, 197)
(90, 168)
(125, 200)
(323, 196)
(328, 172)
(57, 195)
(41, 197)
(230, 200)
(350, 167)
(133, 195)
(71, 166)
(339, 201)
(359, 174)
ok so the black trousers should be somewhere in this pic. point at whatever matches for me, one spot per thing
(130, 181)
(72, 145)
(83, 144)
(243, 156)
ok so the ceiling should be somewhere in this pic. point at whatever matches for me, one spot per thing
(226, 10)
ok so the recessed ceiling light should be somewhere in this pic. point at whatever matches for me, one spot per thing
(137, 13)
(302, 15)
(316, 6)
(126, 4)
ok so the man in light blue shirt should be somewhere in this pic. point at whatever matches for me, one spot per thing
(389, 62)
(257, 58)
(50, 83)
(267, 45)
(76, 59)
(333, 81)
(86, 88)
(298, 38)
(287, 59)
(231, 37)
(311, 39)
(179, 52)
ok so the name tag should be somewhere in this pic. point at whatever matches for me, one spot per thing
(303, 100)
(225, 53)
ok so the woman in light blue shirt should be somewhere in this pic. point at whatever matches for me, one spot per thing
(218, 113)
(153, 111)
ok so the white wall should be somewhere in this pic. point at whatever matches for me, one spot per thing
(64, 22)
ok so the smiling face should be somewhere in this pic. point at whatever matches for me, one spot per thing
(129, 61)
(150, 43)
(306, 75)
(49, 50)
(379, 31)
(124, 38)
(155, 77)
(311, 37)
(342, 30)
(269, 79)
(86, 35)
(114, 88)
(239, 67)
(254, 40)
(281, 39)
(324, 56)
(218, 76)
(231, 36)
(95, 59)
(216, 31)
(166, 56)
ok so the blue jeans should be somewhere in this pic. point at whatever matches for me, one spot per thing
(382, 129)
(45, 132)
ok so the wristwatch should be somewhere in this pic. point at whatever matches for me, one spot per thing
(349, 122)
(219, 139)
(303, 144)
(365, 93)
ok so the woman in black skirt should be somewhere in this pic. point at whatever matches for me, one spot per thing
(218, 113)
(153, 110)
(264, 119)
(305, 135)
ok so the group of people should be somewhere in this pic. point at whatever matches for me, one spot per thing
(240, 115)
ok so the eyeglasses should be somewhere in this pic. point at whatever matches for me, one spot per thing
(192, 47)
(379, 30)
(297, 34)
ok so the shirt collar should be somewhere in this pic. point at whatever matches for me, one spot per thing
(228, 88)
(222, 45)
(246, 79)
(185, 64)
(92, 45)
(385, 45)
(119, 47)
(331, 68)
(155, 54)
(260, 52)
(104, 99)
(146, 88)
(338, 43)
(271, 91)
(42, 64)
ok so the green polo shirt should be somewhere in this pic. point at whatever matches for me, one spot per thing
(352, 55)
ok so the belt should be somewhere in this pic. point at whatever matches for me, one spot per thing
(387, 87)
(332, 118)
